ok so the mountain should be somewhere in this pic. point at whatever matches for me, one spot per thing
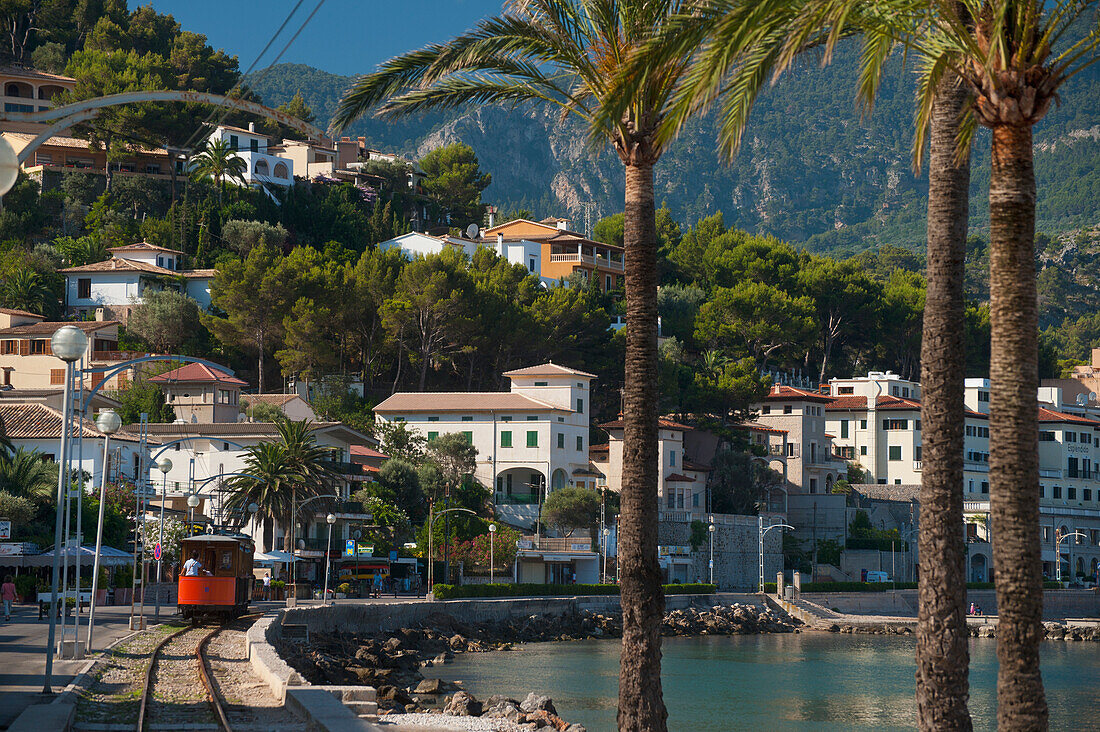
(814, 168)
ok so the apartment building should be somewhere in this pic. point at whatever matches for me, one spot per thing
(809, 458)
(29, 90)
(550, 248)
(263, 163)
(530, 440)
(27, 360)
(113, 287)
(199, 393)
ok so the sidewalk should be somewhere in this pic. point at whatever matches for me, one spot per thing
(23, 652)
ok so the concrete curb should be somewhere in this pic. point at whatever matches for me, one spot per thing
(266, 662)
(322, 709)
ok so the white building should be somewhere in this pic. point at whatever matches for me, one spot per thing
(809, 461)
(263, 164)
(529, 440)
(112, 288)
(415, 244)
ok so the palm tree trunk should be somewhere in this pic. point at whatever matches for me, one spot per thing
(943, 656)
(1014, 430)
(641, 706)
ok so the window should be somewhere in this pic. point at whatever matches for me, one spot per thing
(607, 281)
(985, 486)
(970, 486)
(917, 453)
(152, 168)
(695, 500)
(254, 145)
(580, 407)
(918, 425)
(1042, 491)
(84, 288)
(531, 264)
(506, 439)
(893, 392)
(1071, 468)
(465, 418)
(561, 440)
(845, 390)
(670, 502)
(813, 485)
(1057, 492)
(532, 418)
(433, 419)
(1085, 438)
(542, 383)
(788, 409)
(469, 437)
(672, 458)
(969, 430)
(38, 347)
(983, 396)
(790, 449)
(580, 443)
(895, 424)
(1046, 533)
(432, 436)
(1071, 437)
(765, 409)
(862, 449)
(1071, 493)
(57, 376)
(1086, 494)
(280, 171)
(897, 481)
(905, 392)
(895, 452)
(1046, 436)
(844, 429)
(506, 419)
(863, 424)
(234, 144)
(532, 438)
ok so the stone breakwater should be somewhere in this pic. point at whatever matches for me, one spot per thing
(1051, 631)
(393, 662)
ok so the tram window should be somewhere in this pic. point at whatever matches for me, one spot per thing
(227, 560)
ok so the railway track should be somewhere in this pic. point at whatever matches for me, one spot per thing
(170, 699)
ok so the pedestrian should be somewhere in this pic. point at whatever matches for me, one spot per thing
(267, 586)
(7, 594)
(192, 567)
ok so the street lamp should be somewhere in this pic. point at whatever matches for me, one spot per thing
(710, 530)
(193, 502)
(108, 422)
(1058, 551)
(330, 520)
(69, 344)
(293, 545)
(165, 467)
(431, 521)
(492, 533)
(606, 539)
(762, 530)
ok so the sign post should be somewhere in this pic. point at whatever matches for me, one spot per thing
(5, 529)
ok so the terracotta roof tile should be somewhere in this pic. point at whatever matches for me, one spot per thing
(662, 423)
(143, 246)
(1050, 415)
(678, 478)
(196, 373)
(504, 401)
(549, 369)
(697, 467)
(24, 313)
(40, 422)
(783, 393)
(757, 427)
(25, 73)
(368, 452)
(277, 399)
(48, 327)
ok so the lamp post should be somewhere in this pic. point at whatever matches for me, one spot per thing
(294, 522)
(108, 422)
(330, 520)
(762, 530)
(606, 539)
(710, 530)
(1058, 551)
(165, 467)
(193, 503)
(69, 344)
(431, 521)
(492, 533)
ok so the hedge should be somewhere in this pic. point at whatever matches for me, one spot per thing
(881, 586)
(451, 592)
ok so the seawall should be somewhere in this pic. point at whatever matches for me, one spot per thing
(1057, 604)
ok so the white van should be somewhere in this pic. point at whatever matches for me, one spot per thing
(877, 577)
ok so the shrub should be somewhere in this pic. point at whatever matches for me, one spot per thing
(451, 592)
(25, 584)
(344, 587)
(279, 584)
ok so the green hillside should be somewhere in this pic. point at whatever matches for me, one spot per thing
(814, 168)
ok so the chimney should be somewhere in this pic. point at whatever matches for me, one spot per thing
(563, 224)
(492, 215)
(1096, 358)
(500, 241)
(100, 315)
(251, 126)
(775, 389)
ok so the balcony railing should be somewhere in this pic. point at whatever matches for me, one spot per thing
(606, 262)
(517, 499)
(918, 465)
(558, 544)
(354, 469)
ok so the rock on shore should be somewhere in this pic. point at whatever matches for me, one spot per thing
(392, 662)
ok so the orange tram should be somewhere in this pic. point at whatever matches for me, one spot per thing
(224, 586)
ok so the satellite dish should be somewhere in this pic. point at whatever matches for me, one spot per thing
(472, 231)
(9, 166)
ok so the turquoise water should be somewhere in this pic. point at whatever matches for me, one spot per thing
(804, 681)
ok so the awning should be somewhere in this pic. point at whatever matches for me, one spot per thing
(108, 557)
(273, 557)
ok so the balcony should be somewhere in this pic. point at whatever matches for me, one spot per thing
(559, 544)
(516, 499)
(348, 470)
(597, 261)
(342, 509)
(918, 465)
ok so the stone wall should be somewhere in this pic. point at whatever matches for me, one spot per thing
(736, 552)
(1057, 604)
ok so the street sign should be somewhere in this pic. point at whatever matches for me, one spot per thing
(156, 551)
(393, 555)
(5, 529)
(349, 547)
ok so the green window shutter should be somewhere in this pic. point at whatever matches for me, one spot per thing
(469, 437)
(580, 406)
(580, 444)
(532, 439)
(432, 436)
(844, 428)
(505, 439)
(561, 440)
(895, 452)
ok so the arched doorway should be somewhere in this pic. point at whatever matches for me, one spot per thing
(829, 483)
(978, 568)
(261, 167)
(559, 480)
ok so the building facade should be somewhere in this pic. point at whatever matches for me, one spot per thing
(264, 164)
(529, 440)
(199, 393)
(549, 248)
(809, 459)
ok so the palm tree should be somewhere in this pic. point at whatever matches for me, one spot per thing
(565, 54)
(308, 464)
(269, 484)
(24, 473)
(737, 46)
(26, 289)
(220, 161)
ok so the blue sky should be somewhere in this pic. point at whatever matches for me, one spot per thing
(344, 37)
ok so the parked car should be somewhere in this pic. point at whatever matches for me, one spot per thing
(877, 577)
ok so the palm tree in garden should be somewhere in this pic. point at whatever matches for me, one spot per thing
(25, 289)
(24, 473)
(308, 463)
(218, 160)
(565, 54)
(269, 484)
